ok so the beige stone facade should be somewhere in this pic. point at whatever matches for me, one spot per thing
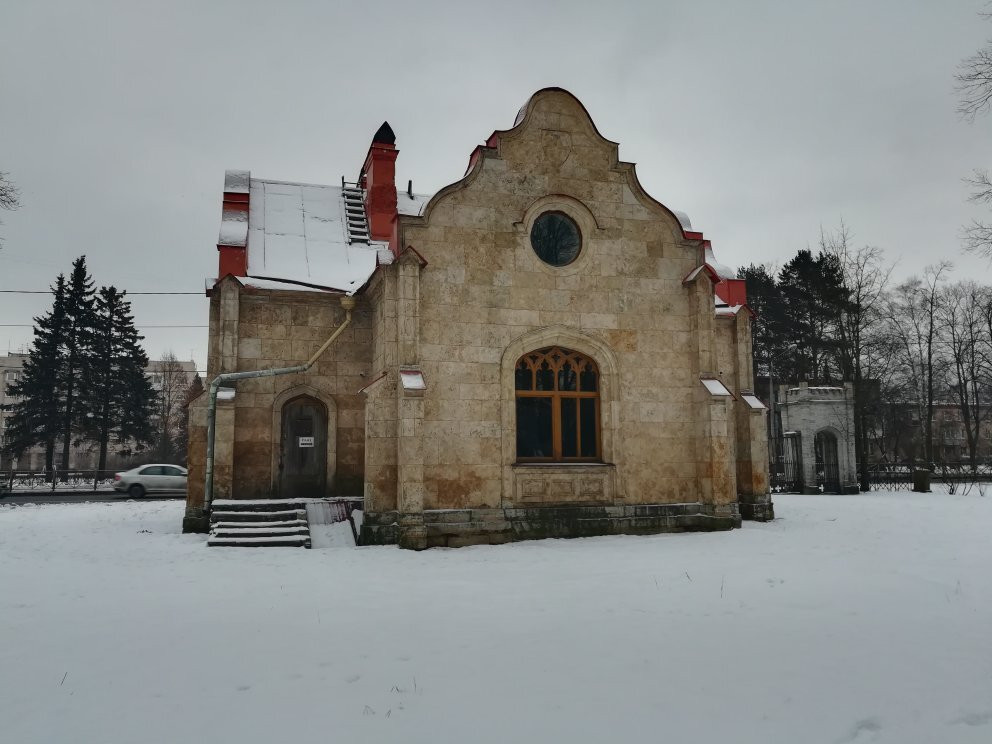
(461, 297)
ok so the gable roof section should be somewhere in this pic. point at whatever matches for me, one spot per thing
(297, 233)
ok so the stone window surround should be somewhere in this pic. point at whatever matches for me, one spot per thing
(281, 399)
(571, 207)
(609, 379)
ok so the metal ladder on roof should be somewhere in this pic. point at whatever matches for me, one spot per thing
(354, 210)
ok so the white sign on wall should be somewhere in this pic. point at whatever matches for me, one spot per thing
(304, 441)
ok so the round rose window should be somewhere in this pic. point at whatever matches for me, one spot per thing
(556, 238)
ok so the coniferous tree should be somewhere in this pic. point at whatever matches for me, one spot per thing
(769, 331)
(37, 418)
(76, 353)
(813, 294)
(118, 399)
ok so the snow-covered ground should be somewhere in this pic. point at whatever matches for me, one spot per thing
(849, 619)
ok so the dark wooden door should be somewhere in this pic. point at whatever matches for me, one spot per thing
(303, 454)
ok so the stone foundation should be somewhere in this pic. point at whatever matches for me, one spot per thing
(757, 508)
(459, 527)
(196, 520)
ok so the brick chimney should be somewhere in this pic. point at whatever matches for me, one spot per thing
(232, 243)
(379, 181)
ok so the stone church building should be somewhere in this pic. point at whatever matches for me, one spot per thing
(540, 349)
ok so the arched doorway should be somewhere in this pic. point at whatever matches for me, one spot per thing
(827, 461)
(303, 449)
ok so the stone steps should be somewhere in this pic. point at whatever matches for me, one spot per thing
(259, 523)
(259, 542)
(249, 516)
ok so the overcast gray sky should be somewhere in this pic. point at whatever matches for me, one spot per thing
(763, 120)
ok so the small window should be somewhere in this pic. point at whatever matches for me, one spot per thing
(557, 399)
(555, 238)
(152, 470)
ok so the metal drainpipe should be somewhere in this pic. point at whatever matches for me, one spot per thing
(348, 303)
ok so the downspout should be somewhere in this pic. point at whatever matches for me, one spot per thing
(348, 303)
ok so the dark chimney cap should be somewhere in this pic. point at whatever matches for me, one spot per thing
(385, 135)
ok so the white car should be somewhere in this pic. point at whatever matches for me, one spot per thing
(136, 482)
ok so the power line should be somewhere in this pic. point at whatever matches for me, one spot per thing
(49, 291)
(31, 325)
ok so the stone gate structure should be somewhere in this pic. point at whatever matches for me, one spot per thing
(819, 421)
(538, 349)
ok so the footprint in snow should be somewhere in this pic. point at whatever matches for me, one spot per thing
(353, 678)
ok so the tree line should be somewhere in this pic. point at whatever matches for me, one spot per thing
(832, 314)
(84, 379)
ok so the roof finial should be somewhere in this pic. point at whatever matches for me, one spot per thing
(385, 135)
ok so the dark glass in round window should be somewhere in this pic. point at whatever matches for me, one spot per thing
(555, 238)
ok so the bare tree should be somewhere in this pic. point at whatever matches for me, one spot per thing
(973, 81)
(10, 197)
(963, 324)
(864, 276)
(974, 85)
(978, 235)
(171, 398)
(193, 391)
(911, 319)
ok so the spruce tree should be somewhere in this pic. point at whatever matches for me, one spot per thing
(769, 332)
(119, 400)
(76, 353)
(814, 297)
(37, 418)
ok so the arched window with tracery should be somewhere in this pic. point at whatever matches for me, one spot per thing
(557, 392)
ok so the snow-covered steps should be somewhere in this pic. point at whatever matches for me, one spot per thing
(229, 515)
(259, 542)
(252, 525)
(259, 523)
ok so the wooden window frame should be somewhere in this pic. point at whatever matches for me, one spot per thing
(576, 358)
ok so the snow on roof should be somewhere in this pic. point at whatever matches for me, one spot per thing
(695, 272)
(251, 281)
(412, 207)
(683, 219)
(236, 181)
(233, 228)
(724, 272)
(723, 309)
(297, 233)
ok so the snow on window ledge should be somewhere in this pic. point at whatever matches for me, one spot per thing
(752, 401)
(716, 388)
(413, 379)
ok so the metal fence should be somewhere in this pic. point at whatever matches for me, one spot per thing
(786, 467)
(56, 480)
(953, 477)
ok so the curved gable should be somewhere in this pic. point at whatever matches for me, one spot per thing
(554, 135)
